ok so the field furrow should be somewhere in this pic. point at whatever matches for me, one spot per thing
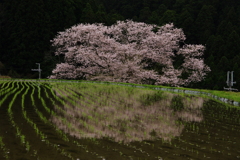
(91, 121)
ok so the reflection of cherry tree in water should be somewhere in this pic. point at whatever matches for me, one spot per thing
(135, 117)
(191, 111)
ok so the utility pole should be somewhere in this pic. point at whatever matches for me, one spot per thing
(230, 82)
(38, 70)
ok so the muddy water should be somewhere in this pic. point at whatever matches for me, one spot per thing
(213, 133)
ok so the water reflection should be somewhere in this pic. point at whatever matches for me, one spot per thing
(192, 109)
(126, 117)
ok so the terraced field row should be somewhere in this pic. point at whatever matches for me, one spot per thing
(47, 121)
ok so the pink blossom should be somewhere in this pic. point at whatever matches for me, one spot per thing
(128, 52)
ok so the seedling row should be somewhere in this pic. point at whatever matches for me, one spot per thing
(55, 120)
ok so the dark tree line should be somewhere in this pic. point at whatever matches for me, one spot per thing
(27, 26)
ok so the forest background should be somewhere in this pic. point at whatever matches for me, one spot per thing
(27, 26)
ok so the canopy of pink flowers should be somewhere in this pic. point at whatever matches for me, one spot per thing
(128, 52)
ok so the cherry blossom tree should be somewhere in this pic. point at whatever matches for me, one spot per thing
(128, 51)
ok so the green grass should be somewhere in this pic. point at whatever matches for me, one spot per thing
(235, 96)
(226, 94)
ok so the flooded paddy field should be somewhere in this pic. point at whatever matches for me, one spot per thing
(84, 121)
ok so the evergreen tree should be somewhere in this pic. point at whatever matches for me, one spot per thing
(27, 27)
(205, 23)
(233, 45)
(61, 14)
(169, 3)
(215, 46)
(101, 15)
(1, 29)
(232, 16)
(236, 59)
(186, 21)
(225, 28)
(113, 16)
(128, 11)
(154, 18)
(161, 9)
(236, 77)
(88, 15)
(145, 13)
(168, 17)
(2, 69)
(224, 64)
(78, 7)
(179, 5)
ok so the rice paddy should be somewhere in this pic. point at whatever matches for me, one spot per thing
(88, 121)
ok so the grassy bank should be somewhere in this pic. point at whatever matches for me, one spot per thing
(235, 96)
